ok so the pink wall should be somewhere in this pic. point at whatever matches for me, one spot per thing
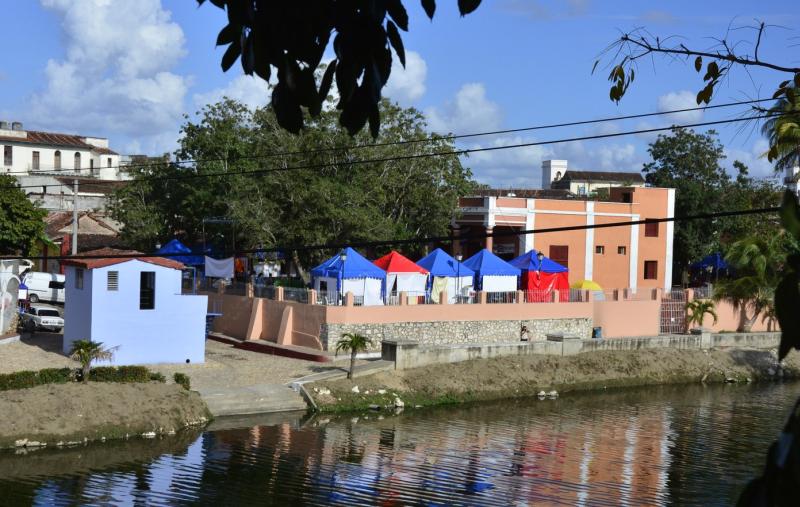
(728, 319)
(627, 318)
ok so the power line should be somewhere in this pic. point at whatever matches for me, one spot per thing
(406, 141)
(439, 154)
(423, 240)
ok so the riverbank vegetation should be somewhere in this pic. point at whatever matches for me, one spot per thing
(527, 376)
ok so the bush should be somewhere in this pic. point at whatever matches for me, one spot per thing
(157, 377)
(120, 374)
(182, 380)
(27, 379)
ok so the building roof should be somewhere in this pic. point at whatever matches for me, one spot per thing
(90, 185)
(101, 261)
(613, 176)
(58, 223)
(55, 139)
(526, 193)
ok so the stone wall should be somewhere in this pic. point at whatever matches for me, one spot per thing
(456, 332)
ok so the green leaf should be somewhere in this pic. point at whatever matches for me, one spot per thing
(797, 80)
(287, 109)
(594, 66)
(778, 93)
(228, 34)
(467, 6)
(790, 214)
(398, 13)
(712, 71)
(230, 56)
(327, 80)
(430, 7)
(698, 63)
(396, 41)
(787, 300)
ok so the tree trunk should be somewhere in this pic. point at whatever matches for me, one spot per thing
(748, 323)
(86, 373)
(299, 267)
(352, 364)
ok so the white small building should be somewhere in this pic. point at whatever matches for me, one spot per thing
(134, 304)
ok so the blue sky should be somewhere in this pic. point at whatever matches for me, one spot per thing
(131, 70)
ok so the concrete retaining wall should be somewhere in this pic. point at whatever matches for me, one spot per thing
(411, 354)
(486, 332)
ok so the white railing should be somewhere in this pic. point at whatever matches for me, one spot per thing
(329, 298)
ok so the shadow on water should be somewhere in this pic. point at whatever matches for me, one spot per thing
(689, 445)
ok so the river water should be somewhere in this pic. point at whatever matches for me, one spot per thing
(679, 445)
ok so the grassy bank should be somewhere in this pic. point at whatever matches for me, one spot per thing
(70, 413)
(525, 376)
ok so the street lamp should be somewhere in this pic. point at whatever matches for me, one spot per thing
(459, 256)
(343, 259)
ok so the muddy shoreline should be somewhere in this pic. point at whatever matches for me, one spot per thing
(527, 376)
(70, 414)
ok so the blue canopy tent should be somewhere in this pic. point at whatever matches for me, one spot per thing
(493, 274)
(186, 257)
(353, 274)
(715, 262)
(446, 273)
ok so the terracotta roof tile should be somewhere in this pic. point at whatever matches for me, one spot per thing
(55, 139)
(571, 175)
(102, 262)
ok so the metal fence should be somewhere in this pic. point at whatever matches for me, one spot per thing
(293, 294)
(501, 297)
(705, 292)
(329, 298)
(673, 312)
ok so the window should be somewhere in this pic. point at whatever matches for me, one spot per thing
(78, 278)
(147, 290)
(91, 165)
(55, 285)
(651, 229)
(57, 160)
(622, 250)
(650, 270)
(108, 162)
(35, 160)
(77, 164)
(627, 197)
(560, 254)
(581, 190)
(8, 158)
(43, 312)
(600, 249)
(112, 281)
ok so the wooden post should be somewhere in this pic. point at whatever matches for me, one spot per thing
(520, 296)
(403, 298)
(481, 297)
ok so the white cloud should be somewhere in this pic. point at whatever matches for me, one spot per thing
(759, 166)
(469, 112)
(680, 100)
(116, 77)
(406, 85)
(251, 91)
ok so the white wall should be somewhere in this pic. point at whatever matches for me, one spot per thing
(77, 308)
(22, 160)
(171, 333)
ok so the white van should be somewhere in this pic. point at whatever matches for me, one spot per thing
(44, 287)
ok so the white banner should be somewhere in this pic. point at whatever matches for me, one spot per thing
(222, 268)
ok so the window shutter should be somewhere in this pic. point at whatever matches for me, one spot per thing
(113, 281)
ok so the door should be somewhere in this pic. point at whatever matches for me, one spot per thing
(673, 312)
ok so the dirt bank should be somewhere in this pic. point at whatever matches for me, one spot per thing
(72, 413)
(511, 377)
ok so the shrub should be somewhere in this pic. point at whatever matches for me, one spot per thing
(157, 377)
(183, 380)
(26, 379)
(120, 374)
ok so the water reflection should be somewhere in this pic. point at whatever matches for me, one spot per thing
(686, 445)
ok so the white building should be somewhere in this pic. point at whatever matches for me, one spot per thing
(42, 160)
(134, 304)
(556, 175)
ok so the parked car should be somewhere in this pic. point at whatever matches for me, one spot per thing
(44, 287)
(39, 317)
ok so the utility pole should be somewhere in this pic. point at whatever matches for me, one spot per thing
(75, 216)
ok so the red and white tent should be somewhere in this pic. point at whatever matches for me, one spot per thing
(402, 274)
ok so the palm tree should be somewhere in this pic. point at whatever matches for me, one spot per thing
(697, 310)
(353, 343)
(758, 262)
(86, 352)
(783, 131)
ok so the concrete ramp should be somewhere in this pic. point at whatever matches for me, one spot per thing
(256, 399)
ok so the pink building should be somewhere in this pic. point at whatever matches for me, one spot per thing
(616, 257)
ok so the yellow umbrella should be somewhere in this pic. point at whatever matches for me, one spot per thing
(586, 285)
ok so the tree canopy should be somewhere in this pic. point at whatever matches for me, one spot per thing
(292, 37)
(691, 163)
(21, 221)
(277, 188)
